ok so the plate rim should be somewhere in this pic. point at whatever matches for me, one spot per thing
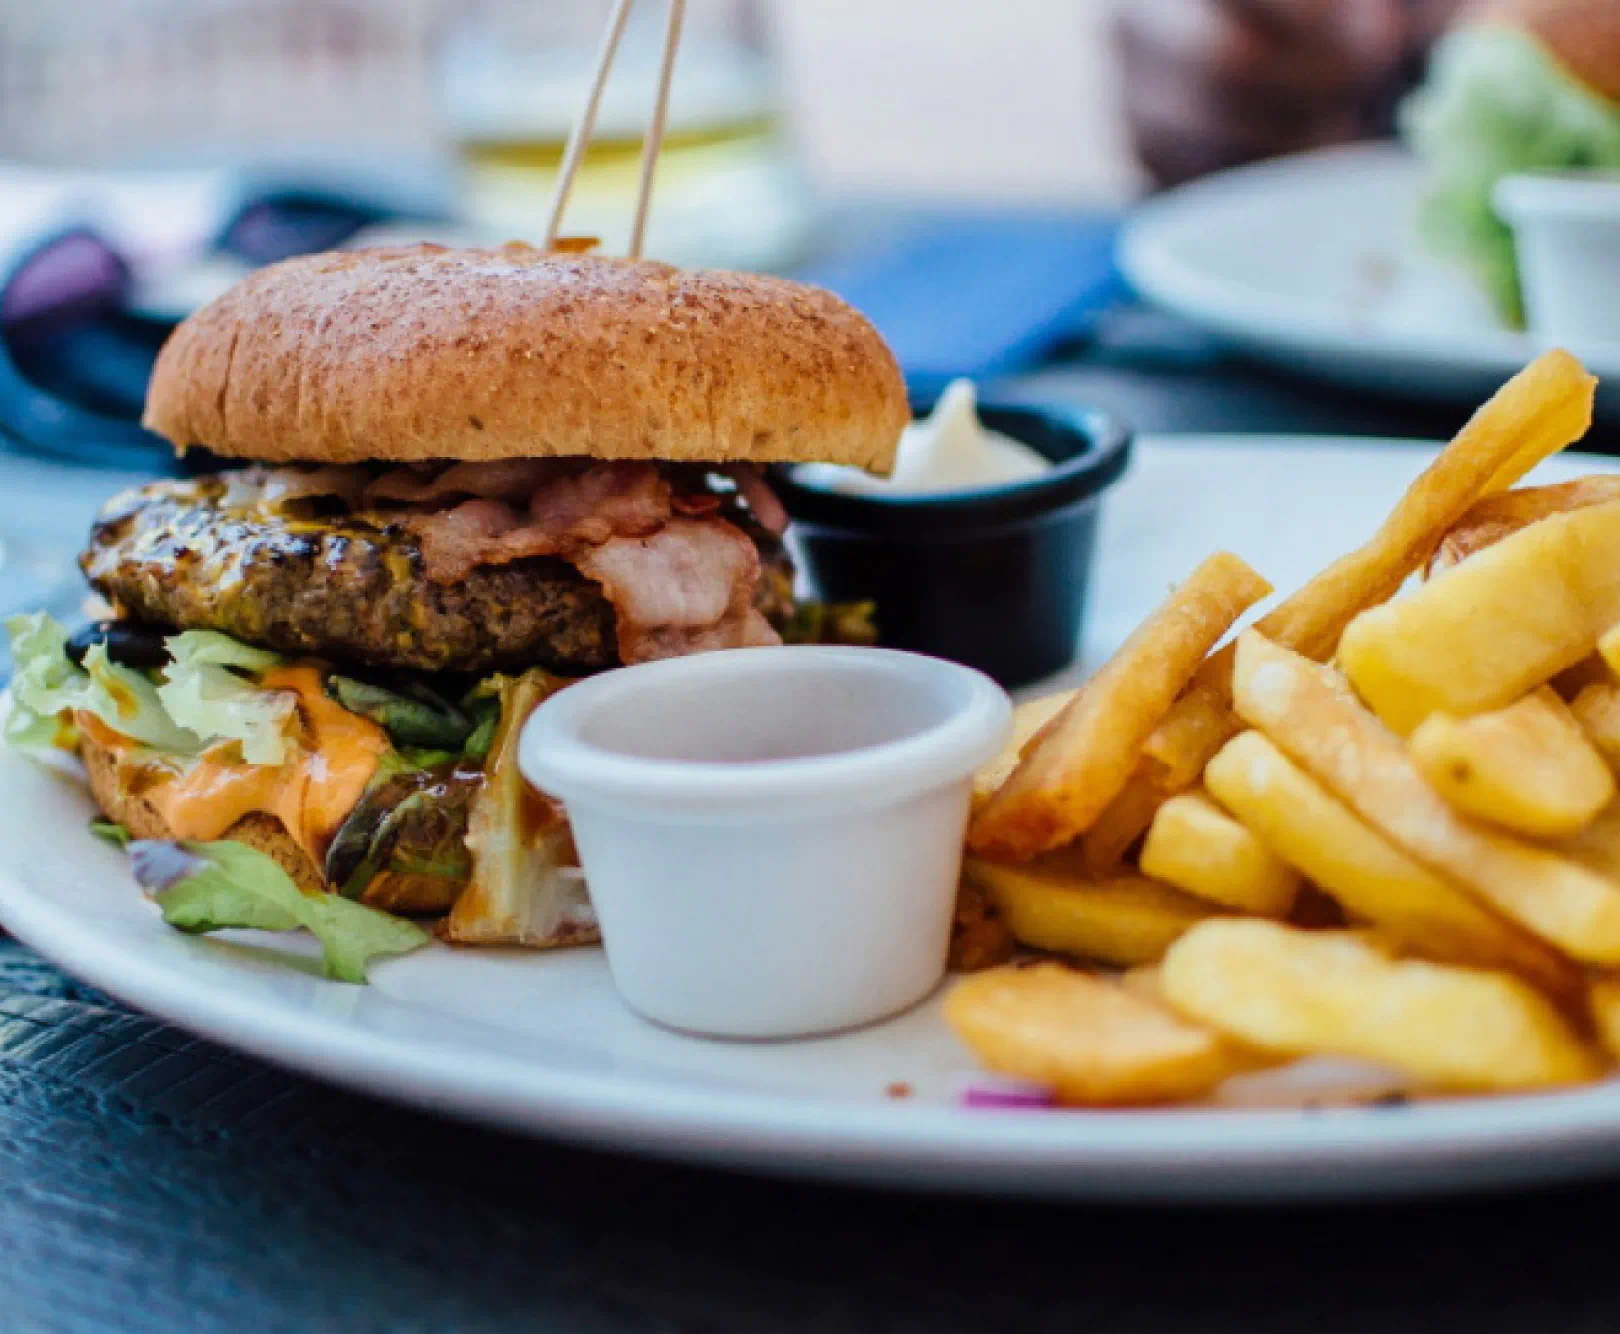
(1153, 1155)
(1152, 264)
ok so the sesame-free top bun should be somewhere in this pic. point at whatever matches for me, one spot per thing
(422, 352)
(1581, 35)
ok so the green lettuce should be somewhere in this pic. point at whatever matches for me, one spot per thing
(204, 887)
(203, 692)
(45, 682)
(1496, 103)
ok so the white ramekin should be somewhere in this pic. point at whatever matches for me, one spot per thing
(772, 837)
(1566, 230)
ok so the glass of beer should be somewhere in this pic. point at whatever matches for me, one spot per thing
(513, 75)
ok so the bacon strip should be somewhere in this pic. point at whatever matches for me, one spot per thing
(686, 588)
(577, 510)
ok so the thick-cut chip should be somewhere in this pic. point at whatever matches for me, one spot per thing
(1597, 709)
(1124, 820)
(980, 937)
(1597, 847)
(1493, 628)
(1081, 760)
(1307, 710)
(1196, 846)
(1527, 768)
(1545, 407)
(1489, 520)
(1309, 993)
(1050, 905)
(1092, 1041)
(1608, 647)
(1029, 718)
(1372, 879)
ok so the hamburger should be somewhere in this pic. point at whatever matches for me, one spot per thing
(459, 479)
(1516, 85)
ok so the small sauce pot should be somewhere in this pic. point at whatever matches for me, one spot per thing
(996, 577)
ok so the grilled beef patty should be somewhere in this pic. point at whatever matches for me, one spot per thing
(337, 586)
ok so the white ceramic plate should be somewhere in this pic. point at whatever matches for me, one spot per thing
(1314, 263)
(540, 1043)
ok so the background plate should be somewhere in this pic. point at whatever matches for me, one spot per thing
(540, 1043)
(1314, 263)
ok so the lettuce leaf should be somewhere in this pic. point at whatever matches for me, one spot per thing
(203, 692)
(45, 683)
(1496, 102)
(204, 887)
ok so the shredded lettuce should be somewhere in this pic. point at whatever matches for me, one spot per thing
(203, 692)
(1496, 102)
(205, 887)
(45, 682)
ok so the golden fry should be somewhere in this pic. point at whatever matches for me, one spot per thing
(1302, 993)
(1608, 647)
(980, 937)
(1310, 714)
(1597, 847)
(1489, 520)
(1527, 768)
(1195, 846)
(1091, 1041)
(1029, 719)
(1597, 709)
(1050, 905)
(1125, 819)
(1544, 408)
(1086, 754)
(1493, 628)
(1372, 879)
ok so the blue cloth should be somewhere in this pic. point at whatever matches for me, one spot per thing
(980, 295)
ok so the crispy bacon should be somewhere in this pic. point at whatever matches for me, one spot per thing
(512, 480)
(570, 512)
(757, 493)
(250, 487)
(686, 588)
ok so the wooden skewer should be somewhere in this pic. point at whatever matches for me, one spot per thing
(655, 131)
(580, 137)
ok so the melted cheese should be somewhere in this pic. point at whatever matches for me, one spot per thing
(333, 757)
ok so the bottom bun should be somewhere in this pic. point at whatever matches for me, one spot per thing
(260, 831)
(264, 833)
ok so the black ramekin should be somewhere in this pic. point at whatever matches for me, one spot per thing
(994, 578)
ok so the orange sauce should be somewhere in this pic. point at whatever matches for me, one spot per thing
(334, 755)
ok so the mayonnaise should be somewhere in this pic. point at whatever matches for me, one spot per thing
(947, 451)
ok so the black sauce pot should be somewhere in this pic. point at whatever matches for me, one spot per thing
(994, 578)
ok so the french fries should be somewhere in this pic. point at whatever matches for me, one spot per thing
(1084, 757)
(1493, 628)
(1545, 407)
(1050, 905)
(1597, 709)
(1306, 709)
(1092, 1041)
(1124, 820)
(1375, 881)
(1029, 719)
(1411, 856)
(1195, 846)
(1303, 993)
(1528, 768)
(1489, 520)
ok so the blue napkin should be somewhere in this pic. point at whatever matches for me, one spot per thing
(980, 294)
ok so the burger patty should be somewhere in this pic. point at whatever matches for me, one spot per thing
(337, 587)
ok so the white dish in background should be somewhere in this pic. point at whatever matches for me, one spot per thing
(542, 1043)
(1566, 227)
(1314, 263)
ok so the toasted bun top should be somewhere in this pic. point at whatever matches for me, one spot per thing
(1581, 35)
(423, 353)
